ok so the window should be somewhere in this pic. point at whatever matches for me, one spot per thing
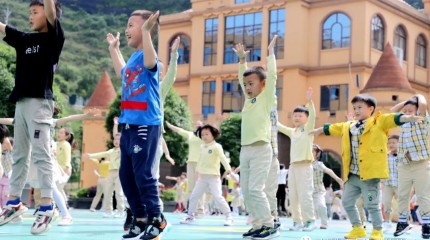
(208, 96)
(211, 36)
(400, 40)
(277, 27)
(184, 49)
(336, 31)
(421, 54)
(232, 96)
(279, 87)
(241, 1)
(244, 29)
(378, 31)
(334, 98)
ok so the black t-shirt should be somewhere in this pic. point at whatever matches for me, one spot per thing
(37, 55)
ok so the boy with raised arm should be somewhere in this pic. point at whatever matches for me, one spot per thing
(37, 57)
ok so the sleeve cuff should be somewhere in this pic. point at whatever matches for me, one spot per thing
(326, 129)
(397, 119)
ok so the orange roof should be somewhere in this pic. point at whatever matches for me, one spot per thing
(388, 74)
(104, 93)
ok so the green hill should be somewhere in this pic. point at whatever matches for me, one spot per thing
(85, 55)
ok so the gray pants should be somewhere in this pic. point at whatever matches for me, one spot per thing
(33, 117)
(371, 192)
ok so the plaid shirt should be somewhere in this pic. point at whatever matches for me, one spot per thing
(355, 131)
(319, 168)
(6, 163)
(413, 141)
(274, 130)
(392, 165)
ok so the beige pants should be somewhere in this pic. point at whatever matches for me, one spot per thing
(415, 174)
(272, 186)
(113, 184)
(192, 177)
(255, 164)
(320, 206)
(101, 185)
(388, 193)
(301, 188)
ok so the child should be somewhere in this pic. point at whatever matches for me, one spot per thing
(141, 115)
(211, 156)
(364, 154)
(413, 156)
(102, 173)
(63, 155)
(256, 152)
(300, 173)
(281, 195)
(319, 190)
(389, 189)
(5, 165)
(113, 179)
(181, 189)
(37, 56)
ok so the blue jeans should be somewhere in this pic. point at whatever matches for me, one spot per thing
(139, 182)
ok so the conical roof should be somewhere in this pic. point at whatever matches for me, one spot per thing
(387, 74)
(104, 93)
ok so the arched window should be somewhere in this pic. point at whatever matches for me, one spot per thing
(400, 40)
(421, 54)
(336, 31)
(184, 49)
(378, 32)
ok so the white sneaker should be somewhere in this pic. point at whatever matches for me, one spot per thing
(386, 226)
(309, 226)
(16, 220)
(44, 220)
(92, 210)
(296, 226)
(12, 211)
(107, 215)
(187, 220)
(119, 214)
(228, 221)
(65, 221)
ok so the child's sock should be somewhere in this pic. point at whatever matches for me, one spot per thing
(403, 218)
(176, 206)
(46, 208)
(425, 219)
(14, 202)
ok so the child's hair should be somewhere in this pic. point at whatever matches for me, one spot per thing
(301, 109)
(367, 99)
(196, 132)
(394, 136)
(412, 101)
(69, 135)
(4, 132)
(58, 9)
(215, 132)
(318, 150)
(57, 110)
(145, 14)
(259, 71)
(281, 166)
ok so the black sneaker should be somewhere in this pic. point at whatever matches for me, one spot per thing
(402, 227)
(136, 230)
(155, 229)
(425, 231)
(266, 233)
(128, 220)
(251, 233)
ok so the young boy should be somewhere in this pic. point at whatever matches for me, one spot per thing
(389, 189)
(141, 117)
(364, 157)
(37, 56)
(413, 155)
(256, 152)
(300, 175)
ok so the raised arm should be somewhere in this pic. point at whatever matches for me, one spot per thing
(2, 28)
(310, 105)
(150, 56)
(241, 53)
(170, 76)
(6, 121)
(115, 126)
(422, 104)
(50, 12)
(78, 117)
(270, 89)
(115, 53)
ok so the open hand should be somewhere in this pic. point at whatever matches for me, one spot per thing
(115, 121)
(240, 51)
(175, 45)
(150, 22)
(309, 94)
(94, 112)
(113, 41)
(272, 44)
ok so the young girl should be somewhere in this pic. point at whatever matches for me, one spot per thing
(211, 156)
(5, 164)
(181, 189)
(63, 155)
(102, 173)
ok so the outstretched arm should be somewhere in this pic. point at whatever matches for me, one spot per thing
(166, 152)
(171, 178)
(241, 53)
(334, 176)
(77, 117)
(115, 53)
(6, 121)
(150, 56)
(170, 76)
(50, 12)
(2, 28)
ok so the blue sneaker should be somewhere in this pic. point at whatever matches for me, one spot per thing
(266, 233)
(251, 233)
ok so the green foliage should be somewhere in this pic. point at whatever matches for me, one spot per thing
(7, 70)
(82, 192)
(168, 195)
(230, 137)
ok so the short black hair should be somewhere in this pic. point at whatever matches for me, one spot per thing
(367, 99)
(58, 9)
(259, 71)
(301, 109)
(4, 132)
(394, 136)
(145, 14)
(215, 132)
(317, 149)
(412, 101)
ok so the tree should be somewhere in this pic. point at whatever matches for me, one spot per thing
(176, 112)
(7, 71)
(230, 137)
